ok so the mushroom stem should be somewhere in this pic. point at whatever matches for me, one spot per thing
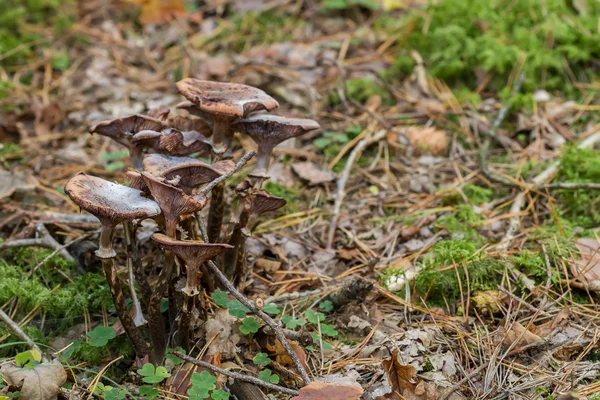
(133, 254)
(215, 214)
(141, 348)
(156, 323)
(185, 322)
(136, 156)
(139, 316)
(238, 241)
(263, 159)
(106, 233)
(221, 131)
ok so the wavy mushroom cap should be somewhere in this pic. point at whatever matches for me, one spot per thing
(192, 109)
(173, 201)
(184, 124)
(269, 130)
(191, 251)
(109, 201)
(123, 129)
(160, 113)
(136, 181)
(193, 173)
(225, 99)
(263, 201)
(173, 142)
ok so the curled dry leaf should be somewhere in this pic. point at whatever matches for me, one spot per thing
(329, 391)
(400, 378)
(517, 336)
(312, 173)
(43, 382)
(586, 268)
(428, 140)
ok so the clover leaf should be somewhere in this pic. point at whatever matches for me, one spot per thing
(101, 335)
(266, 375)
(291, 322)
(249, 325)
(262, 359)
(220, 394)
(153, 375)
(271, 309)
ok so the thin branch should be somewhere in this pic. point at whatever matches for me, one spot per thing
(45, 240)
(235, 375)
(341, 183)
(242, 161)
(294, 296)
(571, 185)
(483, 149)
(278, 330)
(17, 331)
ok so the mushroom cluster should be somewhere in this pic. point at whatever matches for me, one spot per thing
(168, 184)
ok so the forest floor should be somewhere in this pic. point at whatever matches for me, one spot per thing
(440, 238)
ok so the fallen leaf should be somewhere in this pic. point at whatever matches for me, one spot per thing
(488, 301)
(546, 328)
(518, 336)
(428, 139)
(16, 181)
(400, 378)
(159, 11)
(312, 173)
(220, 334)
(329, 391)
(40, 383)
(586, 268)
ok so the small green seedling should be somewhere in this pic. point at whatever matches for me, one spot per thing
(271, 309)
(326, 306)
(153, 375)
(219, 394)
(249, 325)
(101, 335)
(291, 322)
(266, 375)
(262, 359)
(28, 359)
(202, 384)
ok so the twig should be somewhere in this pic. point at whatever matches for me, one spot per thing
(571, 185)
(278, 330)
(17, 331)
(294, 296)
(241, 162)
(60, 249)
(341, 183)
(235, 375)
(46, 240)
(536, 183)
(483, 149)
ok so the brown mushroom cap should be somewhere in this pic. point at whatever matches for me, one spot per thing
(193, 252)
(269, 130)
(123, 129)
(173, 142)
(263, 201)
(160, 113)
(136, 181)
(174, 202)
(184, 124)
(225, 99)
(190, 172)
(110, 202)
(195, 111)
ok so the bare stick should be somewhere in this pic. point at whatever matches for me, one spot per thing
(270, 321)
(294, 296)
(45, 240)
(17, 331)
(341, 183)
(241, 162)
(483, 149)
(235, 375)
(572, 185)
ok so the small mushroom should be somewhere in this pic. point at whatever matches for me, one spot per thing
(122, 130)
(184, 124)
(193, 253)
(225, 103)
(173, 202)
(253, 202)
(172, 142)
(112, 204)
(268, 131)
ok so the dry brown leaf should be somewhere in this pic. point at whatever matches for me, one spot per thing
(400, 379)
(312, 173)
(42, 382)
(546, 328)
(428, 140)
(159, 11)
(586, 268)
(281, 355)
(329, 391)
(519, 336)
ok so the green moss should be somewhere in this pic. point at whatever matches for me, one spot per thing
(456, 38)
(580, 206)
(461, 223)
(477, 194)
(442, 284)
